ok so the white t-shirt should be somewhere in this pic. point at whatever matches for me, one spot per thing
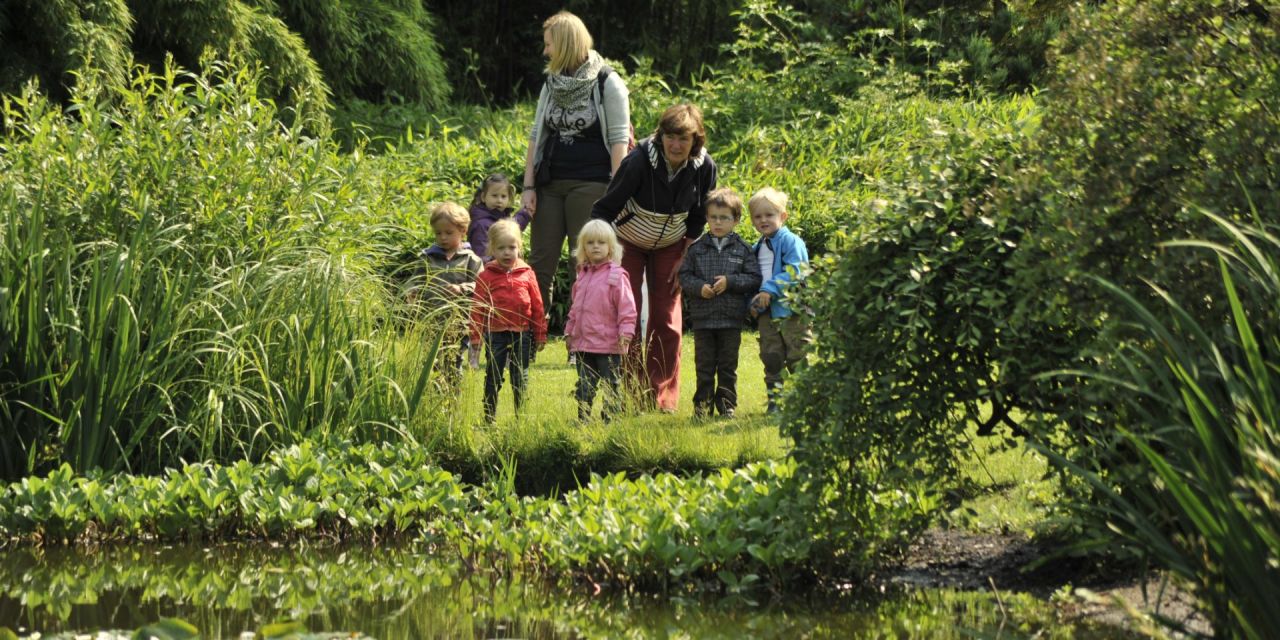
(765, 257)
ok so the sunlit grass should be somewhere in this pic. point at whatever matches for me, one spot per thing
(1011, 492)
(550, 447)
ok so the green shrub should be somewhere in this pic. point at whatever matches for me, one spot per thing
(1193, 480)
(911, 332)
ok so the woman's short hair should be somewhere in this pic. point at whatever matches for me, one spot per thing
(570, 42)
(683, 118)
(599, 230)
(452, 213)
(505, 229)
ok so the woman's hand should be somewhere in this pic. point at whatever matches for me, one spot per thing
(674, 280)
(529, 200)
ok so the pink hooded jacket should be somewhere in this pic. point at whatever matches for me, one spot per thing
(603, 309)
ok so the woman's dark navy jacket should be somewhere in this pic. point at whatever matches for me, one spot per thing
(648, 210)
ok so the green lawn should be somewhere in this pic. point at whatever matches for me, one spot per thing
(551, 448)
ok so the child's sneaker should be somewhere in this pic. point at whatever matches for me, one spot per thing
(573, 359)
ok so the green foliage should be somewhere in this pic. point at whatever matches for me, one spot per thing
(230, 29)
(377, 50)
(1182, 106)
(372, 50)
(52, 40)
(911, 330)
(296, 492)
(1193, 481)
(184, 278)
(724, 531)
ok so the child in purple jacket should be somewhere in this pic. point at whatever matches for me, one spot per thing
(602, 317)
(491, 204)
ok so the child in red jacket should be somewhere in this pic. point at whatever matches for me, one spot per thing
(507, 314)
(602, 318)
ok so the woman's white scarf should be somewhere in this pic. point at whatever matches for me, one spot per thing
(567, 91)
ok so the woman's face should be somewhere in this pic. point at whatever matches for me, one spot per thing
(546, 45)
(676, 147)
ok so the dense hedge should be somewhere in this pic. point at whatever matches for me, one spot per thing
(376, 49)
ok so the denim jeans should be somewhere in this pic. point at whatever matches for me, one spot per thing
(592, 368)
(507, 350)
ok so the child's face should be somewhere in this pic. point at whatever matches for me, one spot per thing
(497, 196)
(597, 250)
(720, 221)
(448, 236)
(506, 251)
(767, 219)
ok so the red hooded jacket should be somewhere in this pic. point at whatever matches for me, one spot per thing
(507, 301)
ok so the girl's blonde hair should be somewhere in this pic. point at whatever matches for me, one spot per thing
(505, 229)
(599, 230)
(570, 42)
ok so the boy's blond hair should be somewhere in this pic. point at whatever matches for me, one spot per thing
(726, 198)
(770, 196)
(570, 42)
(505, 229)
(599, 229)
(451, 213)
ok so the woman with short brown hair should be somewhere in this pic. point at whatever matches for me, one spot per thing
(657, 203)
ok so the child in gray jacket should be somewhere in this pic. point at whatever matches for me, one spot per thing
(718, 274)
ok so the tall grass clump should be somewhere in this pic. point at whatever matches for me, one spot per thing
(1201, 497)
(182, 276)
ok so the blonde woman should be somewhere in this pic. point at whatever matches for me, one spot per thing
(579, 136)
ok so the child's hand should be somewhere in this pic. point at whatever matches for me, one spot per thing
(568, 344)
(708, 292)
(721, 284)
(455, 289)
(538, 346)
(761, 301)
(624, 343)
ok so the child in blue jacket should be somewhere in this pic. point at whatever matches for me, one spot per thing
(782, 255)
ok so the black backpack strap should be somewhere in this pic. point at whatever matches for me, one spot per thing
(603, 75)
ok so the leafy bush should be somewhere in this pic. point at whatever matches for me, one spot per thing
(1200, 492)
(911, 334)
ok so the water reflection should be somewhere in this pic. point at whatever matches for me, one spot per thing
(403, 592)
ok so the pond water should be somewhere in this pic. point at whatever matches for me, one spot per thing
(392, 593)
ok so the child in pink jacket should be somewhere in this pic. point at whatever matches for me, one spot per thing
(602, 317)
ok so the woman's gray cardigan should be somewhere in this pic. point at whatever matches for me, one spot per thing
(614, 112)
